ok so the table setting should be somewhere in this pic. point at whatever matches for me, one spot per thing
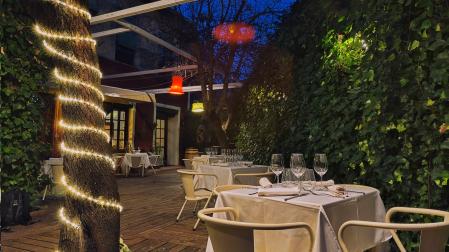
(322, 204)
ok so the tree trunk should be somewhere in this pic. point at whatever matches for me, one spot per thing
(91, 214)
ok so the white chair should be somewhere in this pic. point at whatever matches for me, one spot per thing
(187, 163)
(153, 162)
(192, 194)
(136, 163)
(236, 236)
(434, 236)
(57, 171)
(118, 160)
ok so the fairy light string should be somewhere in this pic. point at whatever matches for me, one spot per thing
(49, 35)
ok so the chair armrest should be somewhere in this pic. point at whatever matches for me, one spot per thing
(412, 210)
(219, 210)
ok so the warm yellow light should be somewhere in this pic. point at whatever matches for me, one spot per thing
(66, 220)
(76, 100)
(70, 58)
(79, 152)
(74, 127)
(72, 8)
(74, 81)
(197, 107)
(80, 194)
(62, 36)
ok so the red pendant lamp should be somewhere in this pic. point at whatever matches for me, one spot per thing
(176, 85)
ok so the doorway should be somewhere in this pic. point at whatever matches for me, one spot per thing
(160, 137)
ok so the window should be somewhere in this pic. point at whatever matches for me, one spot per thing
(116, 123)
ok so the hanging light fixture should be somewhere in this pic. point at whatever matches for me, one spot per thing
(234, 33)
(176, 85)
(197, 107)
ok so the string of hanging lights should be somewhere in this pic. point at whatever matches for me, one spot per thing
(70, 127)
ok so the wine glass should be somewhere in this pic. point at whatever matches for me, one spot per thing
(320, 166)
(298, 166)
(277, 165)
(308, 179)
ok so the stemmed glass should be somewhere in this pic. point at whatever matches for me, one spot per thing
(277, 165)
(320, 166)
(298, 167)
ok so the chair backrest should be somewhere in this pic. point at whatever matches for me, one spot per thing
(136, 161)
(153, 160)
(236, 236)
(57, 172)
(434, 236)
(187, 163)
(253, 178)
(187, 182)
(223, 188)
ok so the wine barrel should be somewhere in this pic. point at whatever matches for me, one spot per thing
(190, 153)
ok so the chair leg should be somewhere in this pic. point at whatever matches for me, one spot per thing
(143, 171)
(180, 211)
(198, 219)
(196, 205)
(45, 192)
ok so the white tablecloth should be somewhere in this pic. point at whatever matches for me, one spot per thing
(325, 214)
(225, 174)
(205, 159)
(145, 160)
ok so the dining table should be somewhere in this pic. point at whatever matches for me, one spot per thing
(145, 160)
(322, 211)
(225, 173)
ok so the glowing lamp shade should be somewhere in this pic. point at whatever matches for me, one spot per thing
(176, 85)
(197, 107)
(234, 33)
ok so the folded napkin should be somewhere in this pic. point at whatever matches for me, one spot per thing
(336, 191)
(327, 183)
(277, 191)
(265, 183)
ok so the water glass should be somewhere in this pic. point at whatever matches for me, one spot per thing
(277, 165)
(308, 180)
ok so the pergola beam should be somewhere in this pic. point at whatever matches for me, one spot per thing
(152, 71)
(194, 88)
(157, 40)
(110, 32)
(140, 9)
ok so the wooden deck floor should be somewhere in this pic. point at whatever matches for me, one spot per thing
(147, 222)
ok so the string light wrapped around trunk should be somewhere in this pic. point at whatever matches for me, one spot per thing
(176, 85)
(93, 103)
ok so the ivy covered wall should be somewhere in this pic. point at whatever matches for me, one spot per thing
(370, 88)
(22, 77)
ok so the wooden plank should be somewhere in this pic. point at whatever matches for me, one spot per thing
(147, 223)
(140, 9)
(109, 32)
(156, 40)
